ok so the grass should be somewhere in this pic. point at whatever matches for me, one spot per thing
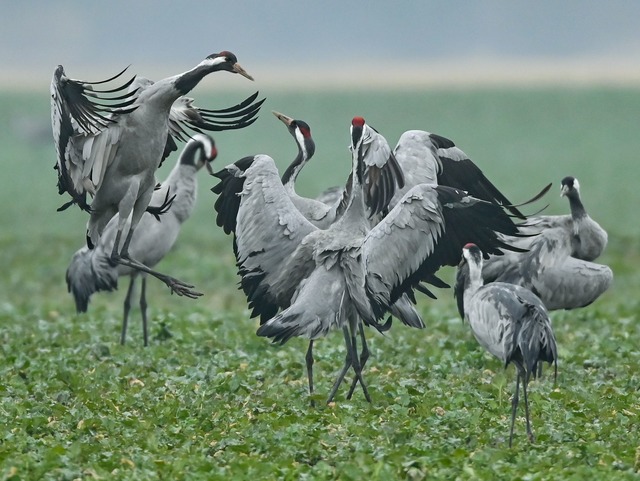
(210, 400)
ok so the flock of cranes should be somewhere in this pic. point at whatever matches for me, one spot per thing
(346, 260)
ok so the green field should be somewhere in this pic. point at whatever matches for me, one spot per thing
(209, 400)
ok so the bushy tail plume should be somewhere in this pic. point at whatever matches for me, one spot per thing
(89, 272)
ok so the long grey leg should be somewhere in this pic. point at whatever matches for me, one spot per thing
(143, 310)
(514, 406)
(356, 364)
(127, 308)
(309, 359)
(347, 364)
(122, 257)
(526, 407)
(364, 356)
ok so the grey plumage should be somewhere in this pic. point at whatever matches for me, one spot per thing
(509, 321)
(112, 152)
(91, 271)
(558, 265)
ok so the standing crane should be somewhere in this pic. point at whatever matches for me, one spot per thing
(558, 262)
(509, 321)
(90, 270)
(334, 278)
(112, 150)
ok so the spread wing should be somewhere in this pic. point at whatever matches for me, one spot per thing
(268, 229)
(79, 115)
(416, 154)
(458, 170)
(186, 118)
(424, 232)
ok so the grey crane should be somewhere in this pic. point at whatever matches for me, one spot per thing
(90, 270)
(509, 321)
(558, 263)
(112, 150)
(318, 213)
(335, 277)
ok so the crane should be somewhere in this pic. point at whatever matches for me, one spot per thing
(558, 262)
(318, 213)
(112, 150)
(335, 277)
(90, 270)
(509, 321)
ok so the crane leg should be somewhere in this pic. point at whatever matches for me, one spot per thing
(127, 308)
(309, 359)
(357, 367)
(143, 311)
(526, 406)
(514, 406)
(122, 258)
(347, 364)
(364, 356)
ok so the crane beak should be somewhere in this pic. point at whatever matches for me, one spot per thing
(563, 191)
(238, 69)
(212, 156)
(283, 118)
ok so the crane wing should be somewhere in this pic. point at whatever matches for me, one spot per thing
(79, 114)
(424, 232)
(416, 155)
(458, 170)
(561, 281)
(268, 228)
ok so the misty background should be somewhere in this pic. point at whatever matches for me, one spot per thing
(334, 42)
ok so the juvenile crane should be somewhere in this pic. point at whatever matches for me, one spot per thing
(90, 270)
(112, 150)
(509, 321)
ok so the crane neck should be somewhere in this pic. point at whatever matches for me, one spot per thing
(182, 183)
(577, 208)
(187, 81)
(293, 170)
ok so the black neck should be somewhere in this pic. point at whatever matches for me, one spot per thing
(577, 209)
(294, 168)
(187, 81)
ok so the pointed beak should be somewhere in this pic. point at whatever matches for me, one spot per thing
(563, 190)
(283, 118)
(238, 69)
(207, 162)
